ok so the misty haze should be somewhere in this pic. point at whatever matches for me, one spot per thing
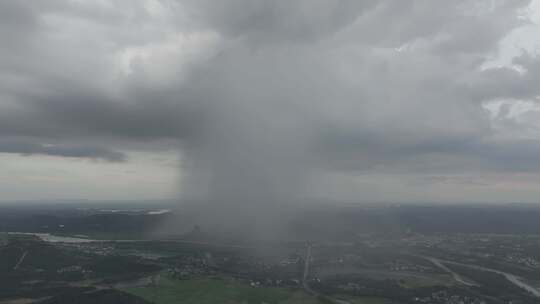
(270, 152)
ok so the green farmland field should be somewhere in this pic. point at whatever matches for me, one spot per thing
(217, 290)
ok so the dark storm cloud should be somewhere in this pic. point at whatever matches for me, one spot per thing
(52, 89)
(73, 112)
(89, 115)
(31, 148)
(263, 21)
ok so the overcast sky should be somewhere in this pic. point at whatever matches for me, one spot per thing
(361, 101)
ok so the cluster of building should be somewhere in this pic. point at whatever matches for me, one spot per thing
(274, 283)
(74, 269)
(186, 272)
(292, 259)
(522, 260)
(191, 266)
(444, 297)
(399, 265)
(350, 286)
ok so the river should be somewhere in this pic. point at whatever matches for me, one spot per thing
(514, 279)
(51, 238)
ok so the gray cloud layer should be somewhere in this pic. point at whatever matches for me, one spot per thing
(270, 94)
